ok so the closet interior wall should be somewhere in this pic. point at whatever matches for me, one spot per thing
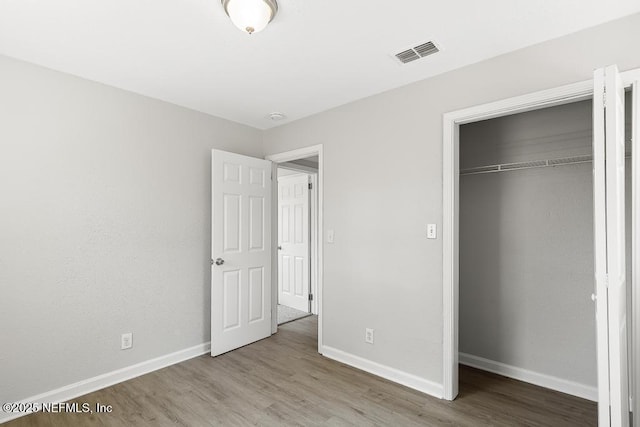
(526, 243)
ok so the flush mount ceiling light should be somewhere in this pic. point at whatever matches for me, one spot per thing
(251, 16)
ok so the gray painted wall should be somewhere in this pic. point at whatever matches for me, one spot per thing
(105, 226)
(383, 185)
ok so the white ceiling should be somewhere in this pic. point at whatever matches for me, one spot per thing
(314, 56)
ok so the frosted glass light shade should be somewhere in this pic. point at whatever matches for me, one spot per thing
(251, 16)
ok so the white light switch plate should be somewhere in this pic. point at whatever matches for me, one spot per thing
(432, 231)
(330, 236)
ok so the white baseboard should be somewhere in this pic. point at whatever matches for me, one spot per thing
(554, 383)
(89, 385)
(386, 372)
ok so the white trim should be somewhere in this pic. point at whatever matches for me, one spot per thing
(412, 381)
(630, 77)
(314, 240)
(450, 168)
(519, 104)
(451, 177)
(554, 383)
(99, 382)
(299, 153)
(288, 156)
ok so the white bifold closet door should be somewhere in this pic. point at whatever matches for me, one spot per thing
(609, 218)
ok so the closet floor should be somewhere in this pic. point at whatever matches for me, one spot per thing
(498, 400)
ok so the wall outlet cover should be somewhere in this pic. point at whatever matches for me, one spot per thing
(126, 341)
(368, 335)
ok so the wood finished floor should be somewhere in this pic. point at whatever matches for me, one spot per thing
(282, 380)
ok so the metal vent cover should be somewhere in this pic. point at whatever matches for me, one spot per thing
(417, 52)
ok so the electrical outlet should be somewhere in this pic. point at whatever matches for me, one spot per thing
(368, 335)
(126, 341)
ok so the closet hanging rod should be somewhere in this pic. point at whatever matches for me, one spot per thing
(504, 167)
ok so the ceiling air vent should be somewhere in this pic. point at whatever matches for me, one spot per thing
(417, 52)
(407, 56)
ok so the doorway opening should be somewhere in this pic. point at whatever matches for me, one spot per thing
(295, 166)
(297, 238)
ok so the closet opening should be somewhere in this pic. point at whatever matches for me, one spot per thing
(526, 249)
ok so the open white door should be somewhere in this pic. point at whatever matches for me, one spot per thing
(609, 216)
(240, 250)
(293, 241)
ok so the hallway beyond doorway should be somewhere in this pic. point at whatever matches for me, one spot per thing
(287, 314)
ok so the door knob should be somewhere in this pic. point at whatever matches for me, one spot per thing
(279, 248)
(219, 261)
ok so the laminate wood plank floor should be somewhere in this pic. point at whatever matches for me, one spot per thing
(282, 380)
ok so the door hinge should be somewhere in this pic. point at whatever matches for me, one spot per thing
(604, 98)
(211, 261)
(310, 297)
(310, 186)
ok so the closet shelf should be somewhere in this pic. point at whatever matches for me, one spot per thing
(529, 165)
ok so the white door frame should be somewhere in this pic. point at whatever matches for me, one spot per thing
(450, 231)
(283, 157)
